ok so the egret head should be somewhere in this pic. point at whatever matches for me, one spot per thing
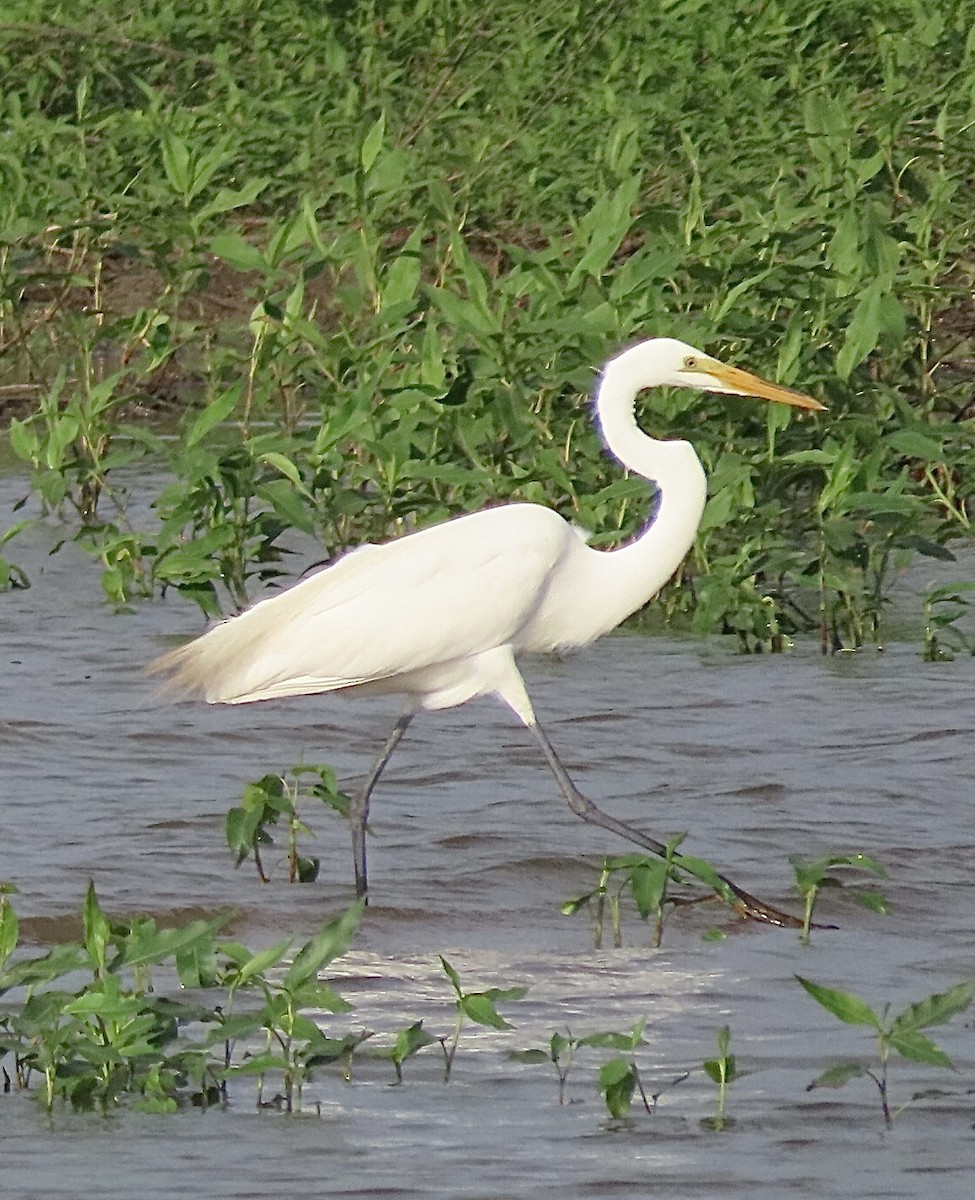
(676, 364)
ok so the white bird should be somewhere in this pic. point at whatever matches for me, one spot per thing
(439, 616)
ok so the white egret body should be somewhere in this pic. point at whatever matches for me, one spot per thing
(438, 616)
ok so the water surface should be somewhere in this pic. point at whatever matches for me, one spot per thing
(757, 758)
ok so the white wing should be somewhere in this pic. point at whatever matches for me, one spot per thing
(438, 596)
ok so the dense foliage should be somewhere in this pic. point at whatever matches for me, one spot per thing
(370, 255)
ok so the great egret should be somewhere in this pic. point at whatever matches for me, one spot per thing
(438, 616)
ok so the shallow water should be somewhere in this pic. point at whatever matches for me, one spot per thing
(758, 758)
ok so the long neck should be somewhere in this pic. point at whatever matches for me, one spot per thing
(640, 569)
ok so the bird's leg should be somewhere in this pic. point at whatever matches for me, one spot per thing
(359, 804)
(743, 903)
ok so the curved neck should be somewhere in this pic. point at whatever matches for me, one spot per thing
(645, 565)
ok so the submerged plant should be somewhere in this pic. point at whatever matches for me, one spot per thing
(943, 608)
(812, 876)
(900, 1032)
(723, 1071)
(112, 1036)
(287, 988)
(478, 1007)
(408, 1041)
(273, 798)
(648, 879)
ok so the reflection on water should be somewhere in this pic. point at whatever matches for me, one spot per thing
(472, 852)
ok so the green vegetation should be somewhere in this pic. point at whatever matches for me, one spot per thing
(648, 880)
(348, 270)
(479, 1007)
(813, 876)
(266, 801)
(363, 263)
(722, 1071)
(112, 1037)
(901, 1033)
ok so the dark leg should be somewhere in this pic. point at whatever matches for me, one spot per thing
(359, 805)
(747, 905)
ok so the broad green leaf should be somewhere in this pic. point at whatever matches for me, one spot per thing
(285, 465)
(938, 1008)
(97, 929)
(410, 1040)
(176, 162)
(845, 1005)
(219, 409)
(258, 963)
(327, 945)
(715, 1069)
(23, 440)
(649, 882)
(913, 1044)
(481, 1010)
(916, 444)
(837, 1075)
(608, 1039)
(228, 199)
(232, 248)
(617, 1081)
(529, 1056)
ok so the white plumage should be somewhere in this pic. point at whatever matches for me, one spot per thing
(439, 615)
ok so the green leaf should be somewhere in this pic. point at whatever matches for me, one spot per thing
(258, 963)
(938, 1008)
(912, 1044)
(529, 1056)
(481, 1010)
(715, 1069)
(837, 1075)
(372, 144)
(617, 1081)
(97, 929)
(232, 248)
(873, 901)
(451, 975)
(285, 465)
(915, 444)
(608, 1039)
(219, 409)
(176, 162)
(849, 1008)
(409, 1041)
(648, 882)
(327, 945)
(9, 931)
(228, 199)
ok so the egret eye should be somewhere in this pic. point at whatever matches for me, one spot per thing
(690, 363)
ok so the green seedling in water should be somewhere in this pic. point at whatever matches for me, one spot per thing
(409, 1041)
(478, 1007)
(112, 1036)
(560, 1052)
(943, 607)
(293, 1042)
(272, 798)
(812, 876)
(901, 1033)
(723, 1071)
(618, 1079)
(648, 879)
